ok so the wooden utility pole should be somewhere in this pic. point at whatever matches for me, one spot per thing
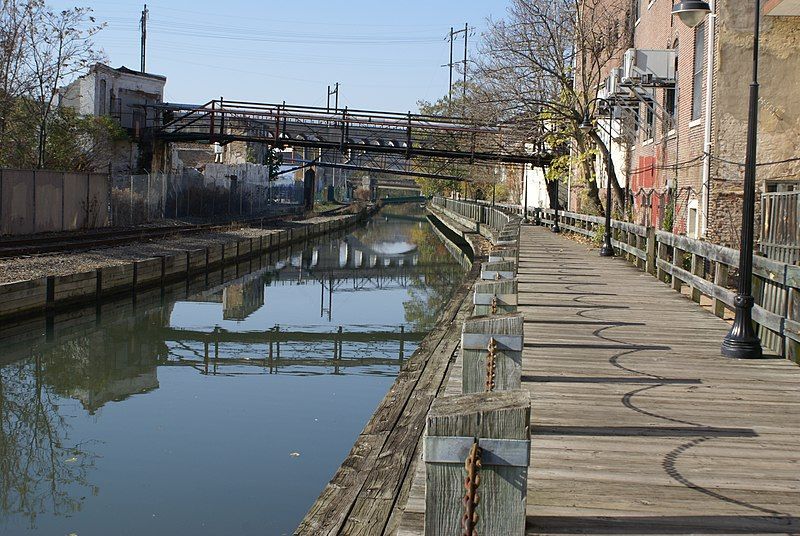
(336, 101)
(143, 21)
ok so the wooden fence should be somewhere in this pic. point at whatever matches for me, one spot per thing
(705, 268)
(780, 226)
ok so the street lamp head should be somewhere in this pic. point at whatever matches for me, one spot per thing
(691, 12)
(586, 124)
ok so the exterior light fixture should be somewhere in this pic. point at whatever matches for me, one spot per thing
(586, 124)
(691, 12)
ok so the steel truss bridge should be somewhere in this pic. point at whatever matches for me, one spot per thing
(403, 136)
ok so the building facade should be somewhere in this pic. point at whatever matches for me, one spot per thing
(116, 92)
(684, 135)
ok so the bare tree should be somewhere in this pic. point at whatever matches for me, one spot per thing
(59, 46)
(542, 67)
(15, 78)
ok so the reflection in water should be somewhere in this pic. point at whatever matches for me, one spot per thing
(175, 411)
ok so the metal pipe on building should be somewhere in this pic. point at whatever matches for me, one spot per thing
(706, 186)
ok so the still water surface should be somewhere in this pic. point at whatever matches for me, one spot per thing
(224, 409)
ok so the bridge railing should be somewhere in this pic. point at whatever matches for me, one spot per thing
(494, 217)
(706, 270)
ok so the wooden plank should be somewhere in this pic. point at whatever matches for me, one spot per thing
(639, 425)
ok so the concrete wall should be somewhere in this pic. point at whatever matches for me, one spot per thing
(45, 201)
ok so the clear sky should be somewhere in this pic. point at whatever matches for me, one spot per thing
(386, 54)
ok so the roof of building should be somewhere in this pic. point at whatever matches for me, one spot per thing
(125, 70)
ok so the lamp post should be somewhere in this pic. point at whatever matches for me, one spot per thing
(606, 250)
(741, 341)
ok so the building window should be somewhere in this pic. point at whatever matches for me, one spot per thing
(671, 95)
(697, 71)
(692, 219)
(649, 120)
(102, 97)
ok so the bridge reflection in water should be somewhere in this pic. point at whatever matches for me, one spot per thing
(80, 391)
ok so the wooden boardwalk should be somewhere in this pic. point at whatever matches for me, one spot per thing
(639, 426)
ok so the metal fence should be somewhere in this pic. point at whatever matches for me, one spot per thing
(137, 199)
(39, 201)
(780, 226)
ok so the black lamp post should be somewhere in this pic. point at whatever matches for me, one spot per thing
(741, 341)
(606, 250)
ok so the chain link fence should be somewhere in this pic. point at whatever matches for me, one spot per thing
(137, 199)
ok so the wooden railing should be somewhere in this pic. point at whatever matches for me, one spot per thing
(780, 226)
(705, 268)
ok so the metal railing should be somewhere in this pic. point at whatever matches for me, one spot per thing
(496, 217)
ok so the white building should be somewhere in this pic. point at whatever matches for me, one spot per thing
(117, 92)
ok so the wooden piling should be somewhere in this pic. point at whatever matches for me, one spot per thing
(502, 293)
(498, 270)
(476, 336)
(452, 425)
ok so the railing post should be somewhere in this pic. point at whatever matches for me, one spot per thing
(650, 264)
(720, 280)
(677, 260)
(493, 492)
(661, 274)
(697, 270)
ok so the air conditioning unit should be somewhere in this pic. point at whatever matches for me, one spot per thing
(650, 68)
(612, 87)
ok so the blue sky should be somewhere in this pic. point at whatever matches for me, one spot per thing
(386, 55)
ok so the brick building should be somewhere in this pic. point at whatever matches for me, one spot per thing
(677, 149)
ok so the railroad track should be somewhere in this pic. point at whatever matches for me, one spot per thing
(38, 245)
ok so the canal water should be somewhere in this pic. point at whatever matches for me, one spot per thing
(222, 406)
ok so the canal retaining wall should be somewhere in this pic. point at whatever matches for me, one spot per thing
(40, 295)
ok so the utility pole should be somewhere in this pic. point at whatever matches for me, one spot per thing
(145, 14)
(452, 37)
(334, 92)
(466, 37)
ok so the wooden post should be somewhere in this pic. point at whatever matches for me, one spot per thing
(641, 245)
(662, 256)
(677, 260)
(501, 423)
(793, 310)
(697, 270)
(499, 369)
(503, 254)
(498, 270)
(503, 294)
